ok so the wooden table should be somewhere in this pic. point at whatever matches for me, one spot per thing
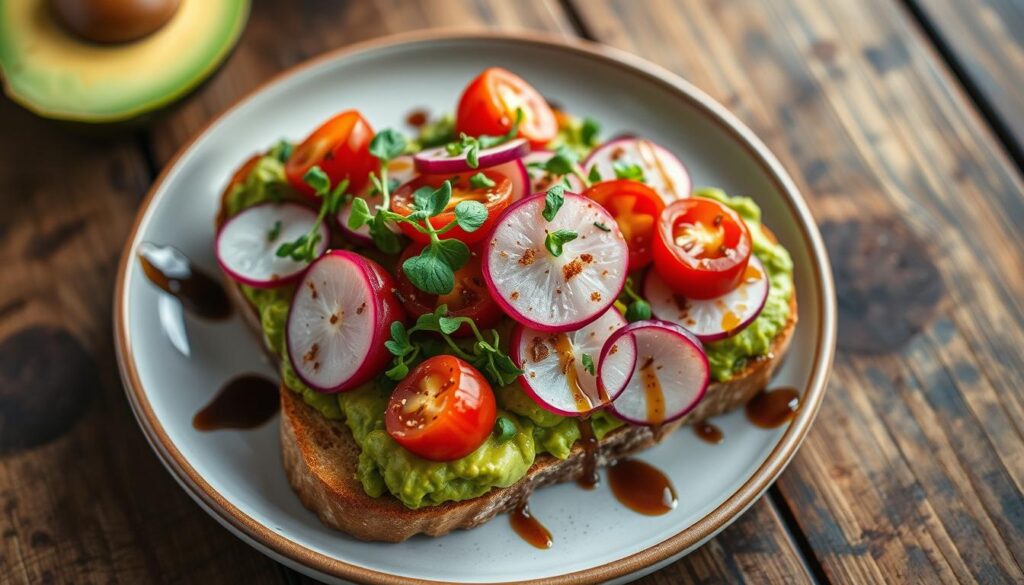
(901, 121)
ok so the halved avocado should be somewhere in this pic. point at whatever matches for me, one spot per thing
(56, 75)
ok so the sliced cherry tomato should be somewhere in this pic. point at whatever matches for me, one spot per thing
(495, 199)
(702, 248)
(340, 147)
(470, 297)
(443, 410)
(636, 208)
(488, 106)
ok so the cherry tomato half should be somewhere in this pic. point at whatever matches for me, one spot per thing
(495, 199)
(443, 410)
(702, 248)
(340, 147)
(636, 208)
(470, 297)
(488, 106)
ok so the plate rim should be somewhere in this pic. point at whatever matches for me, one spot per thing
(714, 521)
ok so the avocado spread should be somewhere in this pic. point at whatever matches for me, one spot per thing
(384, 466)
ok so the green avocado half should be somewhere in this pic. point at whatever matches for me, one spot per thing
(56, 75)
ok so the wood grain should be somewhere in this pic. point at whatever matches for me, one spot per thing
(983, 41)
(914, 471)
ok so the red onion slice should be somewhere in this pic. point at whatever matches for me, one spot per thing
(711, 319)
(554, 372)
(338, 322)
(669, 377)
(438, 161)
(546, 292)
(247, 252)
(663, 172)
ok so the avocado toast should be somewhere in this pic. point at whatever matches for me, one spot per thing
(545, 374)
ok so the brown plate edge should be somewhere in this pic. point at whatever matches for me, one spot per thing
(695, 534)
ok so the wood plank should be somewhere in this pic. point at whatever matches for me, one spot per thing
(982, 39)
(757, 548)
(82, 495)
(914, 469)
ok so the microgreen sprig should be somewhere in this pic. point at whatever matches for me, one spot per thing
(472, 145)
(485, 353)
(303, 248)
(566, 162)
(636, 307)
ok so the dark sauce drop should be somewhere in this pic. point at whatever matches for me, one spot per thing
(588, 478)
(641, 487)
(417, 118)
(529, 528)
(245, 402)
(773, 408)
(708, 432)
(173, 272)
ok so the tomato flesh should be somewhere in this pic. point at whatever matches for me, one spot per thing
(636, 208)
(495, 199)
(488, 106)
(341, 148)
(443, 410)
(469, 298)
(702, 248)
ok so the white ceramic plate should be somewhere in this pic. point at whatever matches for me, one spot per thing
(236, 475)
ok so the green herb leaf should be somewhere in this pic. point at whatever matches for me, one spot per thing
(502, 368)
(430, 273)
(563, 162)
(558, 238)
(274, 231)
(481, 181)
(588, 133)
(631, 171)
(588, 363)
(599, 225)
(399, 344)
(470, 215)
(387, 145)
(317, 180)
(473, 155)
(504, 429)
(360, 215)
(638, 310)
(438, 199)
(594, 176)
(553, 201)
(282, 150)
(421, 198)
(397, 372)
(452, 252)
(386, 240)
(448, 325)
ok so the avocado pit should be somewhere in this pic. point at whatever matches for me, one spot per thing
(113, 21)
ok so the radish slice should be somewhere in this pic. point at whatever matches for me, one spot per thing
(438, 161)
(663, 172)
(553, 371)
(550, 293)
(516, 171)
(400, 170)
(339, 319)
(669, 377)
(711, 319)
(541, 180)
(247, 252)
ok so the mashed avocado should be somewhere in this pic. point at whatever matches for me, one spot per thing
(731, 355)
(385, 467)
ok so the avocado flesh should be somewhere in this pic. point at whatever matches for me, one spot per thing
(54, 74)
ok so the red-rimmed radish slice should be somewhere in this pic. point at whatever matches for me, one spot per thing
(540, 179)
(400, 170)
(669, 377)
(516, 171)
(438, 161)
(711, 319)
(554, 374)
(339, 319)
(546, 292)
(663, 172)
(247, 243)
